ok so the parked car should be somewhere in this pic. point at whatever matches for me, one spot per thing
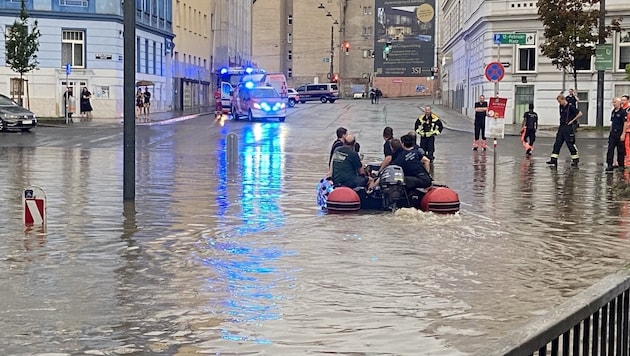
(324, 92)
(258, 103)
(15, 117)
(294, 97)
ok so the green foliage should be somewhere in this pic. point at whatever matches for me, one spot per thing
(21, 45)
(571, 29)
(628, 71)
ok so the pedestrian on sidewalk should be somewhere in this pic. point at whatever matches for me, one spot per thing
(481, 107)
(372, 95)
(86, 107)
(378, 93)
(68, 103)
(569, 114)
(147, 102)
(616, 137)
(625, 105)
(139, 104)
(428, 126)
(528, 129)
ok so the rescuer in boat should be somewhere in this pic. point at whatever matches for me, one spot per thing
(414, 165)
(347, 169)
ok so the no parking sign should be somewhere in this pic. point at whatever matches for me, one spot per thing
(495, 72)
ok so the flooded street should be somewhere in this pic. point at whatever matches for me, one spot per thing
(215, 258)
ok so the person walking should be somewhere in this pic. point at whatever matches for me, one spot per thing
(139, 104)
(377, 95)
(481, 107)
(572, 98)
(372, 95)
(625, 105)
(616, 137)
(427, 127)
(529, 127)
(68, 102)
(569, 114)
(86, 107)
(147, 102)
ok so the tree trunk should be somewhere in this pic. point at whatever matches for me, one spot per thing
(20, 90)
(575, 80)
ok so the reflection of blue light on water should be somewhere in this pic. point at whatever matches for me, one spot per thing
(248, 205)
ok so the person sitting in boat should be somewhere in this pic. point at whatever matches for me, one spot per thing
(341, 135)
(415, 165)
(347, 169)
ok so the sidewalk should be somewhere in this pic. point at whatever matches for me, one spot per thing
(159, 118)
(456, 121)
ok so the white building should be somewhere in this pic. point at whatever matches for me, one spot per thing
(467, 36)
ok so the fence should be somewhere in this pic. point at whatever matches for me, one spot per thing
(594, 322)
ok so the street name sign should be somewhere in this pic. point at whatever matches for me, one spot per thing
(515, 38)
(604, 56)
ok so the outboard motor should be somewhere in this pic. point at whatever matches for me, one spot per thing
(392, 184)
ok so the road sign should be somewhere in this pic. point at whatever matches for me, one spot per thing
(604, 56)
(515, 38)
(495, 72)
(34, 206)
(68, 69)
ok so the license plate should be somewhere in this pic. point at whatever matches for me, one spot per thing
(27, 122)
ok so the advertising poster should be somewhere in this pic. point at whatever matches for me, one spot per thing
(409, 26)
(495, 118)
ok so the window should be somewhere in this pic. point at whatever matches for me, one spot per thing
(526, 59)
(582, 62)
(289, 55)
(289, 38)
(290, 72)
(290, 20)
(146, 56)
(138, 55)
(624, 50)
(205, 25)
(367, 31)
(77, 3)
(154, 57)
(367, 10)
(73, 48)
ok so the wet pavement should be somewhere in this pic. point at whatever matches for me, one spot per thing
(217, 258)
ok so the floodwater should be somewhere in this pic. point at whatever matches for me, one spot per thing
(220, 258)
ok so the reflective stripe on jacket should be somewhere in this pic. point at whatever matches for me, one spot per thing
(428, 128)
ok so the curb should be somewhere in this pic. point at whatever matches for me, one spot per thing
(62, 123)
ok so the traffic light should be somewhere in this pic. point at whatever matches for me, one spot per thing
(386, 50)
(346, 47)
(335, 78)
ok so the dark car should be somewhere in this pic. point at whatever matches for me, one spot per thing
(15, 117)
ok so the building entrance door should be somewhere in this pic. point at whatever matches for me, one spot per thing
(523, 96)
(75, 87)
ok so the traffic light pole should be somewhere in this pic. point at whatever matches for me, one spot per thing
(332, 53)
(599, 117)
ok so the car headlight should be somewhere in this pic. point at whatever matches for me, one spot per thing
(283, 105)
(256, 106)
(10, 116)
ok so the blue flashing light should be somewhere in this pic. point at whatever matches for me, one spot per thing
(249, 70)
(224, 70)
(249, 85)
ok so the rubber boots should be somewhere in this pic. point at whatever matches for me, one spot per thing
(484, 145)
(475, 145)
(553, 161)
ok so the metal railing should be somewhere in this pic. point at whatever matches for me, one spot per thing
(594, 322)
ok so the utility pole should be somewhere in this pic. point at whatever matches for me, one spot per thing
(332, 52)
(599, 119)
(129, 83)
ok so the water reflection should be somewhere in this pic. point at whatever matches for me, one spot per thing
(243, 261)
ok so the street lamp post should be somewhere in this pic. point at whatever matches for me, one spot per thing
(332, 53)
(599, 116)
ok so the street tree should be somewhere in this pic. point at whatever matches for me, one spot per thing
(628, 71)
(571, 29)
(21, 46)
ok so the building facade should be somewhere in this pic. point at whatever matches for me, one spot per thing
(192, 55)
(301, 43)
(231, 28)
(88, 35)
(468, 36)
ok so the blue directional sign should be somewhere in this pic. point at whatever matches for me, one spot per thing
(68, 69)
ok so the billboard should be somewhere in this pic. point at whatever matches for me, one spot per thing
(407, 29)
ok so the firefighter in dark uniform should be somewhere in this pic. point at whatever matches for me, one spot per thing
(530, 125)
(427, 127)
(569, 114)
(616, 136)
